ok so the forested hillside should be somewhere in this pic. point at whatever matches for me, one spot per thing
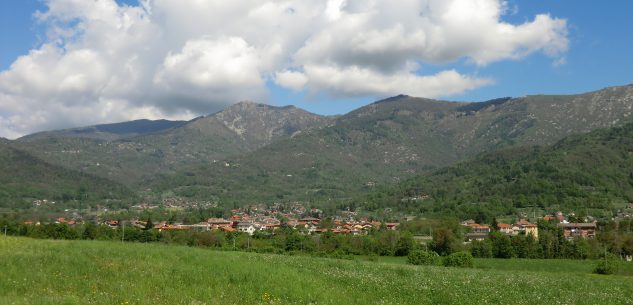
(25, 178)
(392, 140)
(579, 173)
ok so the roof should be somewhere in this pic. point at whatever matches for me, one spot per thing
(503, 226)
(218, 220)
(578, 225)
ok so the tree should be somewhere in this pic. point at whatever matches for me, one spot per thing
(404, 244)
(148, 225)
(423, 257)
(495, 225)
(501, 245)
(90, 231)
(481, 249)
(444, 242)
(459, 259)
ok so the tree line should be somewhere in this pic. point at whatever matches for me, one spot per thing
(613, 238)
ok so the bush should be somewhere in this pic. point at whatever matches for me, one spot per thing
(459, 259)
(422, 257)
(606, 267)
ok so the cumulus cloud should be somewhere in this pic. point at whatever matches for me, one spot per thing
(104, 62)
(364, 81)
(291, 80)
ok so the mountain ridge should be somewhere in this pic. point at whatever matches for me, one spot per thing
(109, 131)
(387, 142)
(590, 173)
(286, 153)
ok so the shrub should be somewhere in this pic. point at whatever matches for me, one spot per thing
(459, 259)
(422, 257)
(606, 267)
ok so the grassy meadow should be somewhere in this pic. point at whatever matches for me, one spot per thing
(92, 272)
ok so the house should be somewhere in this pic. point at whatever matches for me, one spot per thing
(520, 227)
(311, 220)
(112, 223)
(392, 225)
(246, 227)
(467, 222)
(549, 218)
(477, 232)
(138, 224)
(476, 236)
(174, 227)
(531, 229)
(227, 229)
(270, 227)
(525, 227)
(200, 227)
(583, 230)
(218, 223)
(505, 228)
(477, 228)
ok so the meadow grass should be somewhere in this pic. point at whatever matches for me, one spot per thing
(569, 266)
(92, 272)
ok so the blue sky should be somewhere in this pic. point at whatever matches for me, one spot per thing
(599, 42)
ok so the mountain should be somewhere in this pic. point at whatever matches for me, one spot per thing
(236, 130)
(252, 151)
(26, 178)
(108, 132)
(586, 173)
(394, 139)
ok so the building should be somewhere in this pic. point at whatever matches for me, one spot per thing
(583, 230)
(477, 231)
(520, 227)
(505, 228)
(531, 229)
(246, 227)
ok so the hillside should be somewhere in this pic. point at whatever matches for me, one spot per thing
(236, 130)
(107, 132)
(26, 178)
(90, 272)
(252, 151)
(394, 139)
(583, 173)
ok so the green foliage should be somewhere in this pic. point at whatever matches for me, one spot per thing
(459, 259)
(26, 178)
(444, 241)
(423, 257)
(501, 245)
(481, 249)
(588, 172)
(336, 162)
(606, 266)
(405, 244)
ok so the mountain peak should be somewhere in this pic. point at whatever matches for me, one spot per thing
(251, 125)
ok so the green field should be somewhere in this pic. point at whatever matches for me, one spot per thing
(89, 272)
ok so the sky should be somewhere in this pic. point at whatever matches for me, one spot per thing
(69, 63)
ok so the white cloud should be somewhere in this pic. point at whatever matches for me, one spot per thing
(291, 79)
(358, 81)
(218, 70)
(106, 62)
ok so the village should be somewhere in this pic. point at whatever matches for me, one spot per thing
(258, 218)
(263, 218)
